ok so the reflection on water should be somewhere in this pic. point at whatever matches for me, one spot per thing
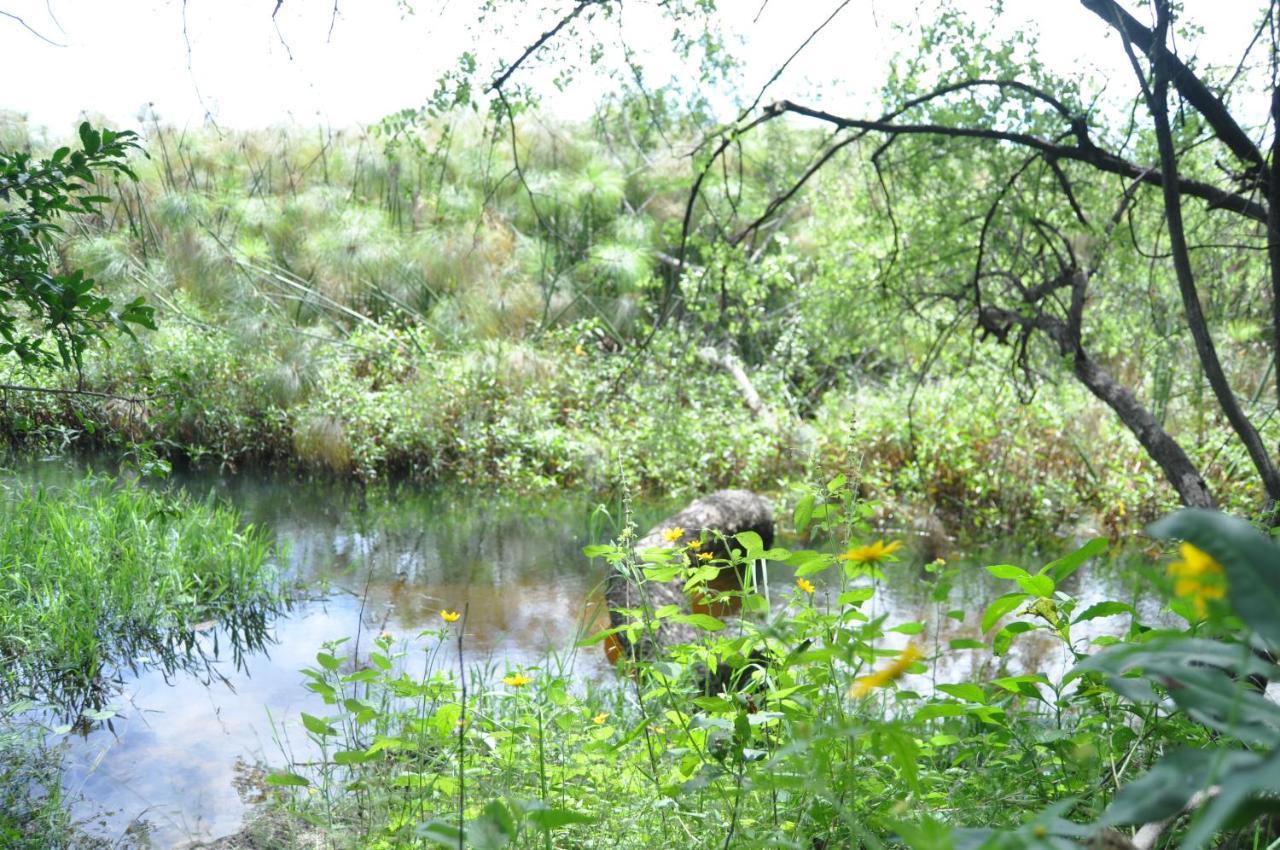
(175, 763)
(171, 764)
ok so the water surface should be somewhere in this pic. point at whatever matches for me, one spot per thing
(179, 760)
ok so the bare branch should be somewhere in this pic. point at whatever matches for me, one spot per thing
(1089, 154)
(502, 78)
(30, 29)
(1187, 83)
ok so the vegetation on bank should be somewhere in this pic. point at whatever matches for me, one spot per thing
(341, 304)
(846, 729)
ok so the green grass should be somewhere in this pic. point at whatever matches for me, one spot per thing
(95, 575)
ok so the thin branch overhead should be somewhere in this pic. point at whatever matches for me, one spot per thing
(22, 23)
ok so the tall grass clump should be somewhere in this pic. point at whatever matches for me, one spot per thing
(97, 574)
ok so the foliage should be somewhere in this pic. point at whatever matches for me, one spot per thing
(39, 306)
(101, 574)
(386, 313)
(844, 729)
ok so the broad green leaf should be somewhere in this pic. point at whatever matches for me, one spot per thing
(701, 621)
(1039, 585)
(998, 608)
(966, 691)
(1104, 609)
(1250, 560)
(751, 542)
(1059, 570)
(1259, 782)
(804, 513)
(555, 818)
(287, 779)
(316, 725)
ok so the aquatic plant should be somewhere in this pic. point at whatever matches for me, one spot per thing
(97, 576)
(853, 731)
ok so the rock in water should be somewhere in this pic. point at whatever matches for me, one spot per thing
(719, 515)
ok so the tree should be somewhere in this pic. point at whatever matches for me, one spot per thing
(48, 316)
(1052, 196)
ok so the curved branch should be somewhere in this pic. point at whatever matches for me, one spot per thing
(1187, 83)
(506, 73)
(1089, 154)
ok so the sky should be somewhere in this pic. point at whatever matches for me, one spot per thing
(230, 60)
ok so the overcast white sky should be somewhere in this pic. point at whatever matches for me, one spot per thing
(122, 54)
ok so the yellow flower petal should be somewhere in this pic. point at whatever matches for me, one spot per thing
(871, 553)
(805, 585)
(893, 672)
(450, 616)
(671, 535)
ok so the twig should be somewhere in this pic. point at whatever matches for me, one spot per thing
(79, 392)
(31, 29)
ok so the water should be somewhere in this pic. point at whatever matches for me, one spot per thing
(178, 762)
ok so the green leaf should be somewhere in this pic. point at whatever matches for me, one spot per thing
(808, 562)
(351, 757)
(1058, 570)
(700, 621)
(599, 636)
(751, 542)
(493, 829)
(440, 833)
(966, 691)
(1039, 585)
(1250, 560)
(1104, 609)
(804, 513)
(998, 608)
(1165, 789)
(908, 628)
(1238, 787)
(287, 779)
(548, 819)
(966, 643)
(316, 725)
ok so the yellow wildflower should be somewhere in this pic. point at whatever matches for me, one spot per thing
(695, 543)
(805, 585)
(671, 535)
(516, 680)
(880, 678)
(870, 553)
(450, 616)
(1197, 577)
(579, 350)
(705, 556)
(600, 718)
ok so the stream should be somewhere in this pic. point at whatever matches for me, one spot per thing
(179, 761)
